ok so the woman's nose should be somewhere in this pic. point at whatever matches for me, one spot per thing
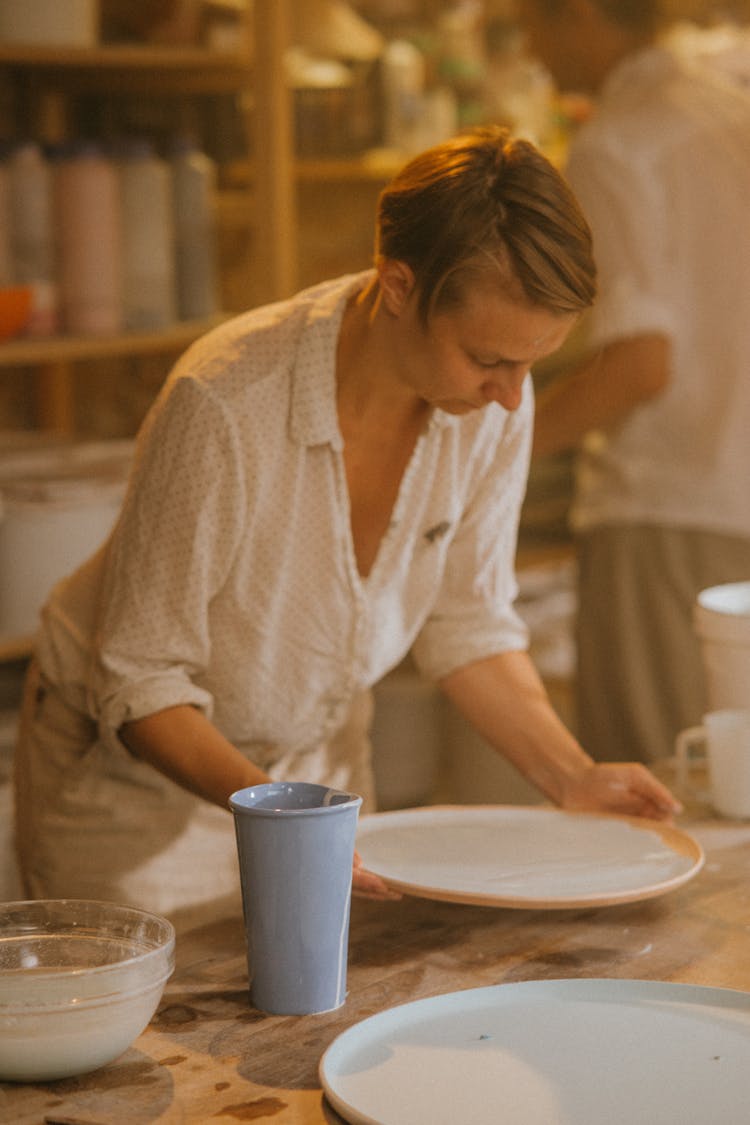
(507, 390)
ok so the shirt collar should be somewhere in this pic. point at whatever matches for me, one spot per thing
(313, 416)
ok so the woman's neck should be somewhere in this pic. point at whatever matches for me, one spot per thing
(366, 368)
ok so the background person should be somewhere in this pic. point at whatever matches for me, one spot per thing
(661, 406)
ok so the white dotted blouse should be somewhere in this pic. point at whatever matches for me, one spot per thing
(230, 580)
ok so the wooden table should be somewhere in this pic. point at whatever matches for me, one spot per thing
(208, 1057)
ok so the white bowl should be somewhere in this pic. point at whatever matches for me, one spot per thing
(79, 981)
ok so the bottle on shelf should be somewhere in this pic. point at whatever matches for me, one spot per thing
(404, 79)
(194, 192)
(31, 232)
(90, 241)
(149, 288)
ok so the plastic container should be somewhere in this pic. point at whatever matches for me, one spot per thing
(721, 619)
(50, 23)
(194, 190)
(32, 233)
(149, 288)
(16, 303)
(57, 506)
(90, 242)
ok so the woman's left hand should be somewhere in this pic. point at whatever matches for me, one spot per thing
(628, 788)
(367, 885)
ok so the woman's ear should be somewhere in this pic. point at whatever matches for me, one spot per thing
(397, 284)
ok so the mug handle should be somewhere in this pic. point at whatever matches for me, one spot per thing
(684, 759)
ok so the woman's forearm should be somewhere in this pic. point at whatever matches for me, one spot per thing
(505, 700)
(184, 745)
(602, 392)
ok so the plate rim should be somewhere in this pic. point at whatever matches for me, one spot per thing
(677, 839)
(675, 992)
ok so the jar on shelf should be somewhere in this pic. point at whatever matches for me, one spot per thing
(31, 224)
(149, 288)
(194, 193)
(90, 241)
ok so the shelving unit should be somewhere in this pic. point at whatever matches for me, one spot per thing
(268, 203)
(264, 204)
(70, 349)
(50, 361)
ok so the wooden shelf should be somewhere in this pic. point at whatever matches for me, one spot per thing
(168, 70)
(15, 648)
(125, 57)
(71, 349)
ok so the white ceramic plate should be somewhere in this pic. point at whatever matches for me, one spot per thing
(565, 1052)
(525, 857)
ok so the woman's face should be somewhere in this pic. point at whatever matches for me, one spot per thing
(477, 352)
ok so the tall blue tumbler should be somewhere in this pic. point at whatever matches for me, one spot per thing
(295, 843)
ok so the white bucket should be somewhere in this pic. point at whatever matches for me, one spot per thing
(50, 23)
(57, 506)
(721, 618)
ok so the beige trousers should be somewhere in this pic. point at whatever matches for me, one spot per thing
(640, 674)
(92, 825)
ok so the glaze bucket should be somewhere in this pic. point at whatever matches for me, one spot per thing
(295, 843)
(58, 503)
(721, 619)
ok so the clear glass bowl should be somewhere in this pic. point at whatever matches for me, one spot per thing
(79, 981)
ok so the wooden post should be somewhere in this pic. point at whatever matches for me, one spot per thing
(55, 399)
(273, 157)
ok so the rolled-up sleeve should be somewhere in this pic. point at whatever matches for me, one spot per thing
(169, 553)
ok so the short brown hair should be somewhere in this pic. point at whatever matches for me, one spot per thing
(484, 201)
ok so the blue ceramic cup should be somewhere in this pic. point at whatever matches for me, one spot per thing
(295, 843)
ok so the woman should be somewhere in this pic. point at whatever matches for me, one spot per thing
(323, 485)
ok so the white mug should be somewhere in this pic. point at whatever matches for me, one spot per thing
(722, 743)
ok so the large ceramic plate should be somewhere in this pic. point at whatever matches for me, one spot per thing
(521, 856)
(566, 1052)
